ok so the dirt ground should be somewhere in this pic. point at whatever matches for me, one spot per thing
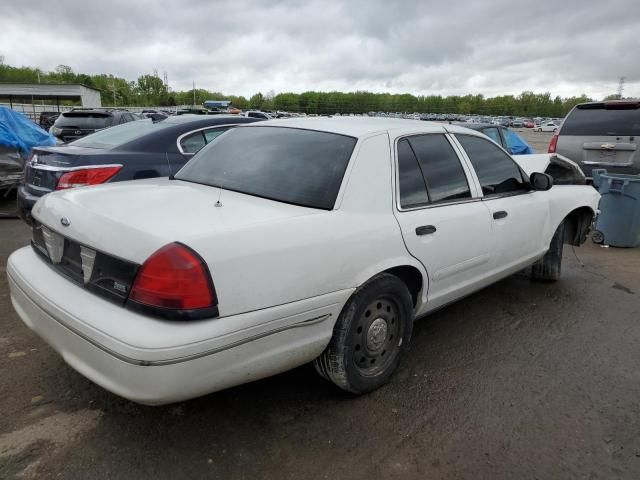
(521, 380)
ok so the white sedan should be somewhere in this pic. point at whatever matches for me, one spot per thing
(285, 242)
(547, 127)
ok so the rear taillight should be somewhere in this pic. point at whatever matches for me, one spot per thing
(553, 144)
(87, 176)
(175, 282)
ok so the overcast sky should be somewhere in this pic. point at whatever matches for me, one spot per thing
(240, 47)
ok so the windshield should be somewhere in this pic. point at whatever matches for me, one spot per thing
(301, 167)
(118, 135)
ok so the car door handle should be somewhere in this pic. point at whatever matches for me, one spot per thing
(499, 214)
(425, 230)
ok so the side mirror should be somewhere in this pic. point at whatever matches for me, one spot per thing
(540, 181)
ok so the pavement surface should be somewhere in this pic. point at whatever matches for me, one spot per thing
(521, 380)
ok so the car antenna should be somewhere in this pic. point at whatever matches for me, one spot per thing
(219, 203)
(171, 177)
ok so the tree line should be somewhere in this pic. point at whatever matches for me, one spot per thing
(151, 90)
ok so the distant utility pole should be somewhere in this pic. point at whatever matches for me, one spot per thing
(620, 87)
(194, 93)
(113, 87)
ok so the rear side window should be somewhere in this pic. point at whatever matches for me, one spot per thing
(493, 134)
(413, 191)
(596, 120)
(441, 167)
(193, 143)
(302, 167)
(213, 133)
(497, 172)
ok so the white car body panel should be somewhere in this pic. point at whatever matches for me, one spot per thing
(282, 273)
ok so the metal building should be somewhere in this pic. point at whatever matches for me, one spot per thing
(30, 93)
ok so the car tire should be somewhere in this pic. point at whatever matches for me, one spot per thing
(549, 267)
(370, 336)
(597, 237)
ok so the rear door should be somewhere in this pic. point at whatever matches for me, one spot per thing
(518, 215)
(443, 221)
(602, 135)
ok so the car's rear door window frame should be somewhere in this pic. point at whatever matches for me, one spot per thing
(468, 173)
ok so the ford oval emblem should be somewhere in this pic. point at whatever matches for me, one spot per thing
(65, 221)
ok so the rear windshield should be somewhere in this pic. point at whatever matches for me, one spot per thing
(118, 135)
(602, 121)
(301, 167)
(84, 120)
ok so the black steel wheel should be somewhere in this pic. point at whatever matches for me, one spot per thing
(370, 336)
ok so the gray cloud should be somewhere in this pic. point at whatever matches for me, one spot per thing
(421, 47)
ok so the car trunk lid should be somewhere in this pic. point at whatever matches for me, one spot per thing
(131, 220)
(48, 164)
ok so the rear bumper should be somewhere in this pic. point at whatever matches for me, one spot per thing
(154, 361)
(26, 201)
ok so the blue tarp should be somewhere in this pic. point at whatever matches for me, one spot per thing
(516, 143)
(17, 131)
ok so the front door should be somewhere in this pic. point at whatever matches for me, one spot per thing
(518, 215)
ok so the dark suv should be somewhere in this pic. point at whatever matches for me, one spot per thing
(80, 122)
(601, 135)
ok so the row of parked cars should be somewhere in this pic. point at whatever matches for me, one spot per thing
(245, 248)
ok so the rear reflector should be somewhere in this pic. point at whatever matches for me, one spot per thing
(553, 144)
(87, 176)
(174, 278)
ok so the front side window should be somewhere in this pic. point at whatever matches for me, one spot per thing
(497, 172)
(441, 167)
(291, 165)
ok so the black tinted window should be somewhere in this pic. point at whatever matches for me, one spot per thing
(193, 143)
(602, 121)
(441, 168)
(413, 190)
(84, 120)
(497, 172)
(296, 166)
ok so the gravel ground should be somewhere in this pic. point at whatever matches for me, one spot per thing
(521, 380)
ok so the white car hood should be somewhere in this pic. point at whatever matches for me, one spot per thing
(533, 163)
(133, 219)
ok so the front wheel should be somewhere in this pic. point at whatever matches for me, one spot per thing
(370, 336)
(549, 267)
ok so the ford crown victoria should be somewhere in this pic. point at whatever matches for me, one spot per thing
(285, 242)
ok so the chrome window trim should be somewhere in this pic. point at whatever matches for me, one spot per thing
(210, 127)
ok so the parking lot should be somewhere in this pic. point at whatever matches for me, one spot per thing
(520, 380)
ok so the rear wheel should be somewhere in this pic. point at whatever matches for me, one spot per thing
(370, 336)
(597, 237)
(549, 267)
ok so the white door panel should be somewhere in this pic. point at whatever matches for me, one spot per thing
(517, 233)
(456, 253)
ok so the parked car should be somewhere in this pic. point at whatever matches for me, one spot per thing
(47, 119)
(601, 135)
(80, 122)
(548, 127)
(528, 123)
(517, 123)
(142, 149)
(503, 136)
(257, 114)
(18, 136)
(281, 243)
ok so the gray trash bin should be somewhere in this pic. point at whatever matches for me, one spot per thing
(618, 223)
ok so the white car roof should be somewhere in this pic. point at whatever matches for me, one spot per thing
(358, 126)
